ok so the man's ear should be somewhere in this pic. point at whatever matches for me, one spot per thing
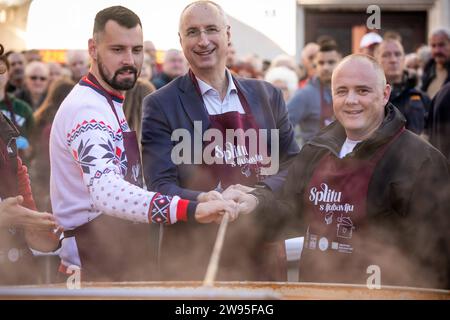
(386, 93)
(92, 49)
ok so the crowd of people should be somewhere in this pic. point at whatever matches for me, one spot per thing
(361, 145)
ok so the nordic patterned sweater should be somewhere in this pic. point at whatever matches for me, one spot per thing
(88, 166)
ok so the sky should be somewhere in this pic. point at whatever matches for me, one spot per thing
(68, 24)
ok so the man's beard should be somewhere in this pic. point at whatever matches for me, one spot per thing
(440, 57)
(114, 83)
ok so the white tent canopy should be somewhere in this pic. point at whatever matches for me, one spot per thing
(266, 27)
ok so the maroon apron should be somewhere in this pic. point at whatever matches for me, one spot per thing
(17, 265)
(336, 206)
(240, 159)
(113, 249)
(193, 243)
(326, 109)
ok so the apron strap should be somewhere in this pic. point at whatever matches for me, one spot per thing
(91, 78)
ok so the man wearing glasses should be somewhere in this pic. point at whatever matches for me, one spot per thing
(208, 99)
(96, 183)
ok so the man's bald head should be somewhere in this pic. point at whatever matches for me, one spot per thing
(203, 3)
(363, 58)
(205, 35)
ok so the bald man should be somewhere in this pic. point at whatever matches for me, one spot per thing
(366, 193)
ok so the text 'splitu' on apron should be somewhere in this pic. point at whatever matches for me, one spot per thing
(336, 206)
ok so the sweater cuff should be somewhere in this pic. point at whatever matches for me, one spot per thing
(159, 209)
(192, 207)
(189, 194)
(182, 210)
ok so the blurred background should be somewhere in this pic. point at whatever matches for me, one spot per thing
(266, 28)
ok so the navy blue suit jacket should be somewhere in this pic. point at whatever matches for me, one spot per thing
(178, 105)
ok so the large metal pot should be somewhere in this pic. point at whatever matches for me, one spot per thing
(221, 290)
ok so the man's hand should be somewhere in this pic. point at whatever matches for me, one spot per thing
(242, 188)
(247, 203)
(44, 241)
(13, 214)
(213, 211)
(238, 193)
(234, 191)
(209, 196)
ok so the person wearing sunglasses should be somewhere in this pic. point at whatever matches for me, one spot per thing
(36, 84)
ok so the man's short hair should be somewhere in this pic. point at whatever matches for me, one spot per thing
(378, 48)
(360, 56)
(10, 52)
(392, 35)
(72, 54)
(327, 44)
(441, 32)
(123, 16)
(175, 52)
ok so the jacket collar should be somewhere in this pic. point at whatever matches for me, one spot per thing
(430, 71)
(255, 106)
(194, 107)
(408, 83)
(333, 136)
(192, 102)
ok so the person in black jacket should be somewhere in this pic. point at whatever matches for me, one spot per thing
(174, 65)
(436, 72)
(411, 102)
(367, 193)
(438, 124)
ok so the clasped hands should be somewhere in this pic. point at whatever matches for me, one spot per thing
(233, 201)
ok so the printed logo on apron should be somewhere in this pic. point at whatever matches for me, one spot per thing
(239, 158)
(335, 208)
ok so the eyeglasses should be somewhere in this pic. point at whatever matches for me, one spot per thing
(34, 78)
(209, 31)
